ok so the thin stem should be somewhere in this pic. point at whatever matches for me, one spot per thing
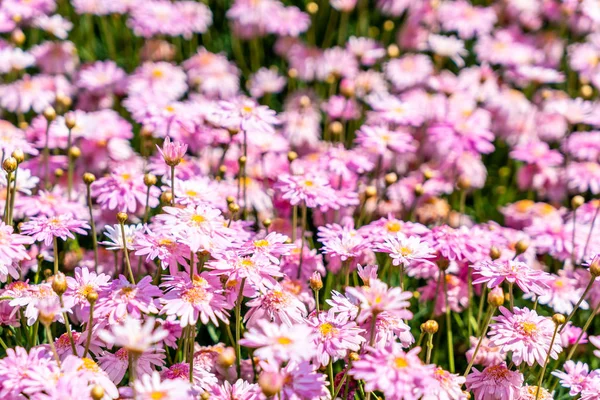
(470, 305)
(583, 296)
(147, 207)
(93, 226)
(88, 340)
(46, 157)
(463, 198)
(68, 327)
(7, 203)
(51, 343)
(238, 323)
(543, 371)
(13, 195)
(191, 351)
(331, 381)
(448, 325)
(585, 328)
(55, 245)
(572, 241)
(511, 295)
(481, 303)
(317, 301)
(488, 318)
(294, 223)
(172, 185)
(587, 241)
(303, 232)
(126, 254)
(132, 367)
(371, 342)
(429, 347)
(70, 170)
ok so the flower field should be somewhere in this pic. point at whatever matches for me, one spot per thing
(285, 199)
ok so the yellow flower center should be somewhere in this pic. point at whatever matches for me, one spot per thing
(198, 219)
(194, 295)
(284, 340)
(90, 365)
(158, 395)
(191, 193)
(327, 329)
(529, 327)
(157, 73)
(393, 226)
(400, 362)
(309, 183)
(261, 243)
(405, 251)
(524, 205)
(165, 242)
(85, 290)
(247, 263)
(170, 108)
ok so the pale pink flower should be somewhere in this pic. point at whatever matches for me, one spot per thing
(495, 382)
(515, 272)
(377, 298)
(134, 336)
(150, 387)
(406, 250)
(172, 152)
(335, 337)
(44, 229)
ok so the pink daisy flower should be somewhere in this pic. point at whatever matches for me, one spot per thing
(517, 272)
(44, 229)
(377, 298)
(336, 336)
(406, 250)
(525, 334)
(124, 191)
(397, 374)
(275, 304)
(575, 376)
(162, 246)
(280, 343)
(134, 336)
(126, 299)
(150, 387)
(495, 382)
(116, 365)
(172, 152)
(310, 189)
(240, 390)
(257, 270)
(300, 380)
(193, 299)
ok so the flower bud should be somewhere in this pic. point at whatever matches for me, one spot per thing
(63, 100)
(577, 201)
(558, 319)
(463, 183)
(233, 208)
(419, 190)
(312, 8)
(17, 37)
(18, 155)
(70, 121)
(49, 114)
(315, 281)
(267, 222)
(496, 297)
(293, 73)
(242, 160)
(388, 25)
(270, 383)
(10, 164)
(89, 178)
(353, 356)
(59, 283)
(595, 267)
(495, 253)
(92, 297)
(97, 392)
(370, 191)
(430, 326)
(443, 264)
(166, 197)
(58, 172)
(292, 155)
(122, 217)
(427, 174)
(393, 51)
(586, 91)
(227, 357)
(74, 153)
(230, 199)
(149, 180)
(391, 178)
(521, 247)
(205, 396)
(336, 127)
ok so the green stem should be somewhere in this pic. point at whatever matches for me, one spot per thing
(543, 371)
(429, 347)
(126, 254)
(172, 185)
(88, 340)
(583, 296)
(331, 382)
(55, 245)
(238, 323)
(448, 326)
(93, 226)
(488, 318)
(51, 343)
(7, 202)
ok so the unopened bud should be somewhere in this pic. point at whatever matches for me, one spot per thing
(521, 247)
(64, 101)
(292, 155)
(388, 25)
(577, 201)
(233, 208)
(336, 127)
(419, 190)
(595, 267)
(74, 153)
(430, 326)
(205, 396)
(59, 283)
(586, 91)
(393, 51)
(495, 253)
(89, 178)
(92, 297)
(122, 217)
(97, 392)
(267, 222)
(70, 120)
(166, 197)
(227, 357)
(443, 263)
(149, 180)
(230, 199)
(18, 155)
(49, 114)
(391, 178)
(353, 356)
(10, 164)
(370, 191)
(293, 73)
(559, 319)
(270, 383)
(315, 281)
(242, 160)
(312, 8)
(463, 183)
(17, 37)
(305, 101)
(58, 172)
(496, 297)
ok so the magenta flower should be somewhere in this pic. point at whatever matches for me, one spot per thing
(275, 304)
(517, 272)
(397, 374)
(336, 336)
(495, 382)
(116, 364)
(575, 377)
(193, 299)
(44, 229)
(525, 334)
(310, 189)
(300, 380)
(123, 190)
(377, 298)
(172, 152)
